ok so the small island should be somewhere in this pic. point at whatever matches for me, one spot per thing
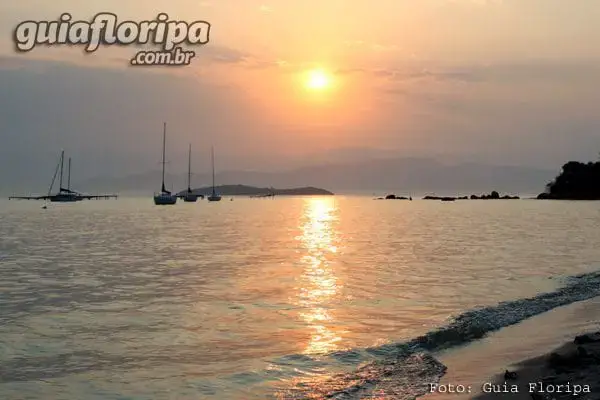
(577, 181)
(245, 190)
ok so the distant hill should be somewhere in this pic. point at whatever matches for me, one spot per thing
(393, 175)
(577, 181)
(244, 190)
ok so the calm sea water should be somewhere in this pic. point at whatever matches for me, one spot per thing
(248, 298)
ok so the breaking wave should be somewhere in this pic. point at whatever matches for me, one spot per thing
(404, 370)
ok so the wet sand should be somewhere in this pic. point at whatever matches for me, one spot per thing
(481, 364)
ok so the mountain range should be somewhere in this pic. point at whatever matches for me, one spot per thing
(400, 175)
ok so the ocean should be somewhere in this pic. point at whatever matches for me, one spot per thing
(283, 298)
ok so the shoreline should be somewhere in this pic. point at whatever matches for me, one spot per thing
(526, 348)
(571, 370)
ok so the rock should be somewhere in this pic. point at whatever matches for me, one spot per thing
(510, 375)
(561, 363)
(493, 196)
(582, 352)
(556, 360)
(588, 338)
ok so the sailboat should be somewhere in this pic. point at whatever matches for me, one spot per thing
(64, 195)
(164, 197)
(214, 196)
(189, 196)
(77, 196)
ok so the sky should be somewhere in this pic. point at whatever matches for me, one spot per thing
(502, 81)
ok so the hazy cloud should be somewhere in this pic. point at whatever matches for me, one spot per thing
(221, 54)
(512, 83)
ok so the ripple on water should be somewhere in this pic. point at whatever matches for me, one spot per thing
(251, 296)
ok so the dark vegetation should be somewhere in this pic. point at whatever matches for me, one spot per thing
(577, 181)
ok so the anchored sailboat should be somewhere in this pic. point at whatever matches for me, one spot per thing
(189, 196)
(164, 197)
(64, 195)
(214, 196)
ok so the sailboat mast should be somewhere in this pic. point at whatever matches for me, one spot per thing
(190, 169)
(163, 155)
(62, 159)
(69, 176)
(212, 158)
(53, 178)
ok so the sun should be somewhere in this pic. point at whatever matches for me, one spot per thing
(318, 80)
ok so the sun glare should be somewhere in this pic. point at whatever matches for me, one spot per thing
(318, 80)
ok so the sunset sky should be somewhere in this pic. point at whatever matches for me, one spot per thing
(505, 81)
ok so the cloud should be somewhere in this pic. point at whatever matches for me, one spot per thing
(532, 72)
(43, 60)
(119, 57)
(406, 74)
(110, 119)
(265, 9)
(349, 71)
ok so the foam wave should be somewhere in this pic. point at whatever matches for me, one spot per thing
(404, 370)
(402, 379)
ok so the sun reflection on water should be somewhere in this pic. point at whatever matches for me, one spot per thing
(319, 283)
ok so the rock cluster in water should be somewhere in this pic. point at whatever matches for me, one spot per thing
(492, 196)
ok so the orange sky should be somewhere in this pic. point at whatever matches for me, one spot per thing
(441, 76)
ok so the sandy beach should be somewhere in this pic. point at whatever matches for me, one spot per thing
(555, 355)
(573, 370)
